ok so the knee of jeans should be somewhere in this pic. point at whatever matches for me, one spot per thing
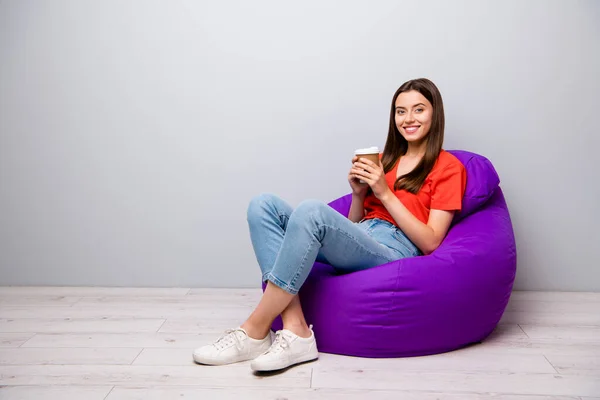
(309, 209)
(259, 203)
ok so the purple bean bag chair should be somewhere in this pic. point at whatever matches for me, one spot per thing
(428, 304)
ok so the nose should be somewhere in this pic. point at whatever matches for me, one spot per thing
(409, 117)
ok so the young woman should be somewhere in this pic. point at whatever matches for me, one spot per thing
(403, 209)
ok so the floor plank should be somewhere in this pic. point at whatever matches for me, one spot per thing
(117, 340)
(81, 356)
(54, 392)
(198, 311)
(225, 301)
(547, 340)
(89, 291)
(44, 325)
(550, 319)
(203, 325)
(14, 339)
(563, 334)
(166, 357)
(177, 393)
(138, 342)
(575, 364)
(228, 292)
(135, 375)
(537, 347)
(555, 296)
(468, 361)
(553, 306)
(480, 382)
(38, 301)
(507, 332)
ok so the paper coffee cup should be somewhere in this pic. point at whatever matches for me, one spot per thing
(370, 153)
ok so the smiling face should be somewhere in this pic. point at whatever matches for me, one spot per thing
(413, 115)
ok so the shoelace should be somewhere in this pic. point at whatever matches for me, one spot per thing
(229, 337)
(280, 343)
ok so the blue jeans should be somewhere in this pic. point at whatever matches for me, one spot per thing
(288, 241)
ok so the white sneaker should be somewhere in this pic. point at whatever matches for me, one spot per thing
(287, 349)
(234, 346)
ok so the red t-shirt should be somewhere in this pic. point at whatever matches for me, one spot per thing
(443, 189)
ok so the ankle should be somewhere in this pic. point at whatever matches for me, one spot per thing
(299, 328)
(255, 332)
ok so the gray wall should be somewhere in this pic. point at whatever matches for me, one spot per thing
(134, 133)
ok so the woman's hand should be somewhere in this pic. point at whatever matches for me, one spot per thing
(371, 173)
(358, 189)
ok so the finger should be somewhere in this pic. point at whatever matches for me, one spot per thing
(361, 173)
(359, 170)
(361, 180)
(368, 162)
(364, 166)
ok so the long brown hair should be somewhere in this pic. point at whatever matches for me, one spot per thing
(396, 145)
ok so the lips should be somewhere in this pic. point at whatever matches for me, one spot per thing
(411, 129)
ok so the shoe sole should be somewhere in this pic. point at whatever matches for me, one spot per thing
(215, 363)
(199, 360)
(303, 360)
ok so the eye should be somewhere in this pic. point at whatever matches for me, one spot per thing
(419, 110)
(399, 112)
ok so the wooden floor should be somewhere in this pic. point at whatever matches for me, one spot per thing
(120, 343)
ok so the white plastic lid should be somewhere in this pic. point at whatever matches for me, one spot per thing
(368, 150)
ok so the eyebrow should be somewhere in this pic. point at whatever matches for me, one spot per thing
(419, 104)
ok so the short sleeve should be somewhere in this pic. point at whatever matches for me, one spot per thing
(448, 187)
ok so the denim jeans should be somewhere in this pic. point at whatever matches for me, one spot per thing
(288, 241)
